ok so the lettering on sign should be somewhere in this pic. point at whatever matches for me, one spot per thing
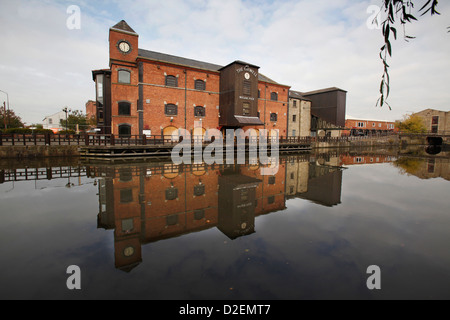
(247, 69)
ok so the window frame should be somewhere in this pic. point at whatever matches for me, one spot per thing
(247, 88)
(122, 71)
(171, 194)
(122, 125)
(273, 117)
(199, 111)
(168, 107)
(246, 109)
(200, 85)
(126, 195)
(199, 190)
(169, 78)
(435, 120)
(121, 105)
(274, 96)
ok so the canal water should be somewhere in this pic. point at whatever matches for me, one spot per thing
(152, 230)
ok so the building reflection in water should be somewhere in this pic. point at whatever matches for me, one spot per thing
(149, 202)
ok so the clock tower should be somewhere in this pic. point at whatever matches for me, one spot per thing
(123, 43)
(126, 107)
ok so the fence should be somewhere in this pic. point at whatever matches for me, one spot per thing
(83, 140)
(143, 140)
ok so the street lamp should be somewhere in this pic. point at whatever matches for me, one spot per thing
(66, 110)
(7, 98)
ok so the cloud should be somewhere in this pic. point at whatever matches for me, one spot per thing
(305, 44)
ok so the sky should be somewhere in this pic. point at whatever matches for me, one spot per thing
(46, 64)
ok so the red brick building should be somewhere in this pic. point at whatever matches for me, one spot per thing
(146, 92)
(145, 204)
(91, 109)
(366, 127)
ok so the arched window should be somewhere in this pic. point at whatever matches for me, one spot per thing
(124, 130)
(273, 117)
(199, 111)
(199, 190)
(200, 85)
(171, 109)
(274, 96)
(171, 193)
(124, 108)
(171, 81)
(124, 76)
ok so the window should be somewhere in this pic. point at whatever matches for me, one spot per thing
(199, 214)
(124, 108)
(172, 220)
(431, 164)
(273, 117)
(50, 121)
(295, 103)
(247, 87)
(259, 93)
(246, 109)
(274, 96)
(434, 129)
(199, 190)
(292, 176)
(171, 81)
(124, 130)
(99, 83)
(126, 196)
(171, 109)
(171, 193)
(244, 195)
(127, 225)
(373, 124)
(271, 199)
(361, 124)
(125, 175)
(294, 133)
(199, 111)
(124, 76)
(294, 118)
(200, 85)
(271, 180)
(435, 120)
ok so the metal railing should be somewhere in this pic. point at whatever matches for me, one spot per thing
(161, 140)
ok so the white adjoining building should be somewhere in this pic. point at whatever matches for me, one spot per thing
(54, 121)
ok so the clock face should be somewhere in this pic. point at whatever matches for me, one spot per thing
(247, 75)
(128, 252)
(124, 47)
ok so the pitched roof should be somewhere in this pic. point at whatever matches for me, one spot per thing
(322, 91)
(297, 95)
(158, 56)
(163, 57)
(123, 26)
